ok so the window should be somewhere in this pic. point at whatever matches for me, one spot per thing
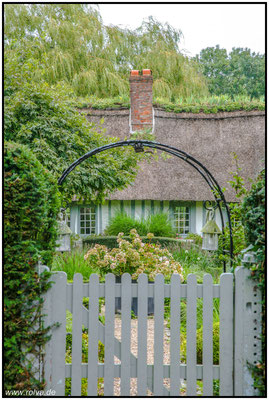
(87, 221)
(182, 219)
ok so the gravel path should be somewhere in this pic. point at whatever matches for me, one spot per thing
(150, 352)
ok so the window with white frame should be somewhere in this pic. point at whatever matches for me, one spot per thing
(87, 221)
(182, 219)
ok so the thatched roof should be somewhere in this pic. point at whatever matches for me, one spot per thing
(210, 138)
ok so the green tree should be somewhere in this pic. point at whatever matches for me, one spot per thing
(248, 72)
(239, 72)
(93, 59)
(41, 118)
(214, 65)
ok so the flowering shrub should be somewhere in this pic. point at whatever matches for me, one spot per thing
(134, 257)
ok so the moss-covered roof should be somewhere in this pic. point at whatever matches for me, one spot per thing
(210, 105)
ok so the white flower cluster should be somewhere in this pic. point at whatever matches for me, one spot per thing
(134, 257)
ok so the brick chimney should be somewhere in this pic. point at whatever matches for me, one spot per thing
(141, 112)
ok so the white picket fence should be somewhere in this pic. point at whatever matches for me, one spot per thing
(239, 315)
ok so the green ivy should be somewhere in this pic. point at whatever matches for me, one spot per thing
(31, 204)
(253, 216)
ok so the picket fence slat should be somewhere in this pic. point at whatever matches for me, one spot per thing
(93, 319)
(158, 335)
(191, 334)
(208, 335)
(175, 336)
(109, 335)
(125, 335)
(77, 335)
(226, 335)
(63, 296)
(58, 340)
(142, 335)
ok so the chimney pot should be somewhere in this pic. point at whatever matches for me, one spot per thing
(134, 72)
(146, 72)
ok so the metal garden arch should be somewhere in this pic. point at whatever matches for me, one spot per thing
(139, 145)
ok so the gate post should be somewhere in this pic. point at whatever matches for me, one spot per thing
(54, 309)
(247, 345)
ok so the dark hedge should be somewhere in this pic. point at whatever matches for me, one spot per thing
(31, 205)
(111, 241)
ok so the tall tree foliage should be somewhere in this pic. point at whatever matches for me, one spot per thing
(73, 44)
(41, 118)
(240, 72)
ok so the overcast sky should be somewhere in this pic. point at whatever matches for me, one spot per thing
(203, 25)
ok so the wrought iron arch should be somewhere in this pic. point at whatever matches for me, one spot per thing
(139, 145)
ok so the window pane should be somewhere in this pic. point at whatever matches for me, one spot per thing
(87, 220)
(182, 219)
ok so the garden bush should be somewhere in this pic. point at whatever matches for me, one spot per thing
(122, 222)
(135, 257)
(199, 347)
(158, 224)
(31, 204)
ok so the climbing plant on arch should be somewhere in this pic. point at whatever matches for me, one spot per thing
(139, 145)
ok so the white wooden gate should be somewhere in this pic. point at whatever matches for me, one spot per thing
(239, 315)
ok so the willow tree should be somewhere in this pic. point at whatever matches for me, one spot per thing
(75, 47)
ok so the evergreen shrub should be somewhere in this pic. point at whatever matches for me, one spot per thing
(31, 204)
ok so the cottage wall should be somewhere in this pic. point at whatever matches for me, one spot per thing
(139, 209)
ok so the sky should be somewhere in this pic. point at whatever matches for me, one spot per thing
(203, 25)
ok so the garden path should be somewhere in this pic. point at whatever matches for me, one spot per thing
(150, 353)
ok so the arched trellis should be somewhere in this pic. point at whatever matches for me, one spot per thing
(139, 147)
